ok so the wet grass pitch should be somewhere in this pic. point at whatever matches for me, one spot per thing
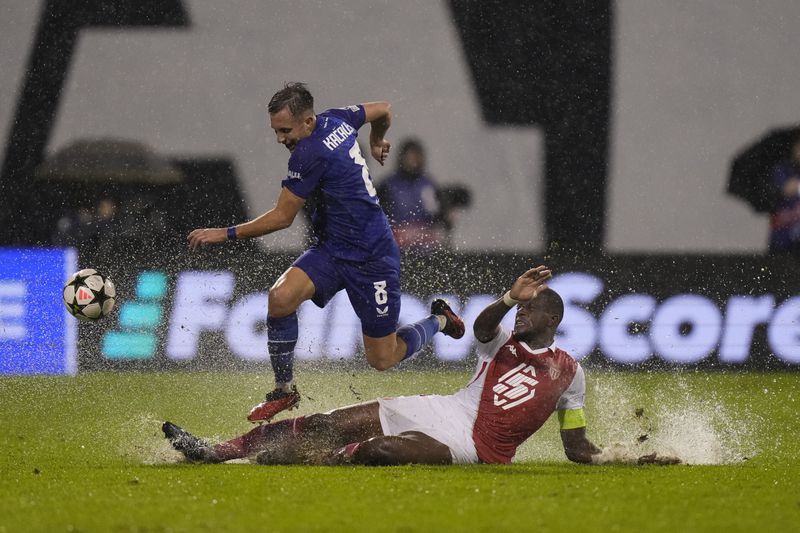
(86, 453)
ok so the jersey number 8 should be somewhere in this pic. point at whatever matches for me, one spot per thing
(355, 154)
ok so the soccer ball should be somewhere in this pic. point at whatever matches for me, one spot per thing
(89, 295)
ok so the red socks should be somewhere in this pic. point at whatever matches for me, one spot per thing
(256, 439)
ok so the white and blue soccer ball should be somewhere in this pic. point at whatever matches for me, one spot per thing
(89, 295)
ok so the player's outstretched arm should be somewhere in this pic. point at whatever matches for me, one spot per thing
(527, 286)
(279, 217)
(379, 115)
(580, 449)
(577, 447)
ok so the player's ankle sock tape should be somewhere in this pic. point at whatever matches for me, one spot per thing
(349, 450)
(281, 339)
(296, 425)
(232, 449)
(256, 438)
(418, 334)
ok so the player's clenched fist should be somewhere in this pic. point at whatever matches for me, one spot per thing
(202, 237)
(380, 150)
(530, 284)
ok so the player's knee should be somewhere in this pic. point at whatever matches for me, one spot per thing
(381, 358)
(378, 451)
(282, 302)
(321, 423)
(380, 362)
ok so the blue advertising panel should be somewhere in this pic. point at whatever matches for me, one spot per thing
(631, 312)
(37, 334)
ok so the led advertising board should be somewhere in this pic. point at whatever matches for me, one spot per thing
(37, 334)
(707, 317)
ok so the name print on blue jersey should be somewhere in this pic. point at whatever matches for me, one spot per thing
(338, 136)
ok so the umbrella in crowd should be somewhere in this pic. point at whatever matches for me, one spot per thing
(109, 161)
(751, 171)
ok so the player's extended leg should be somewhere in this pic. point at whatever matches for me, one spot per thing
(201, 451)
(193, 448)
(294, 440)
(385, 352)
(312, 440)
(291, 289)
(411, 447)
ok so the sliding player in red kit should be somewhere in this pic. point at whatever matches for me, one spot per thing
(521, 379)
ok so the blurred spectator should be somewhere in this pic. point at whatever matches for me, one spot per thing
(75, 228)
(85, 228)
(419, 217)
(105, 213)
(143, 220)
(785, 216)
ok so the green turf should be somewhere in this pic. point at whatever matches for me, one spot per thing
(85, 454)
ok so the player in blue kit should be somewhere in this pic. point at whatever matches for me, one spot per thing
(353, 245)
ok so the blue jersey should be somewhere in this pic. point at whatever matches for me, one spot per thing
(348, 220)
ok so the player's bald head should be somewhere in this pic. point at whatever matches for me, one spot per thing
(551, 303)
(295, 97)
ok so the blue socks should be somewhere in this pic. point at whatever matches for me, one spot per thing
(281, 339)
(418, 334)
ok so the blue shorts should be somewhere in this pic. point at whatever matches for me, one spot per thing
(372, 287)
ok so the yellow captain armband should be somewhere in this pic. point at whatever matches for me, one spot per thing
(572, 418)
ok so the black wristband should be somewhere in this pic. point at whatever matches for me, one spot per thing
(232, 233)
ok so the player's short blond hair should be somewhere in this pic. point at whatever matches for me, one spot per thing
(295, 96)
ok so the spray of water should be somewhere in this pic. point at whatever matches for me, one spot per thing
(672, 419)
(145, 444)
(695, 426)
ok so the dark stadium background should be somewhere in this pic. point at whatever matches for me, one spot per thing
(623, 143)
(580, 152)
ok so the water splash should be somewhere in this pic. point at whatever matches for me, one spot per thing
(145, 444)
(671, 418)
(697, 427)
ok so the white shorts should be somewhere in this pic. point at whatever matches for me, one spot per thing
(439, 417)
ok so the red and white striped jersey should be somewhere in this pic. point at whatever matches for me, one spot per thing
(514, 391)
